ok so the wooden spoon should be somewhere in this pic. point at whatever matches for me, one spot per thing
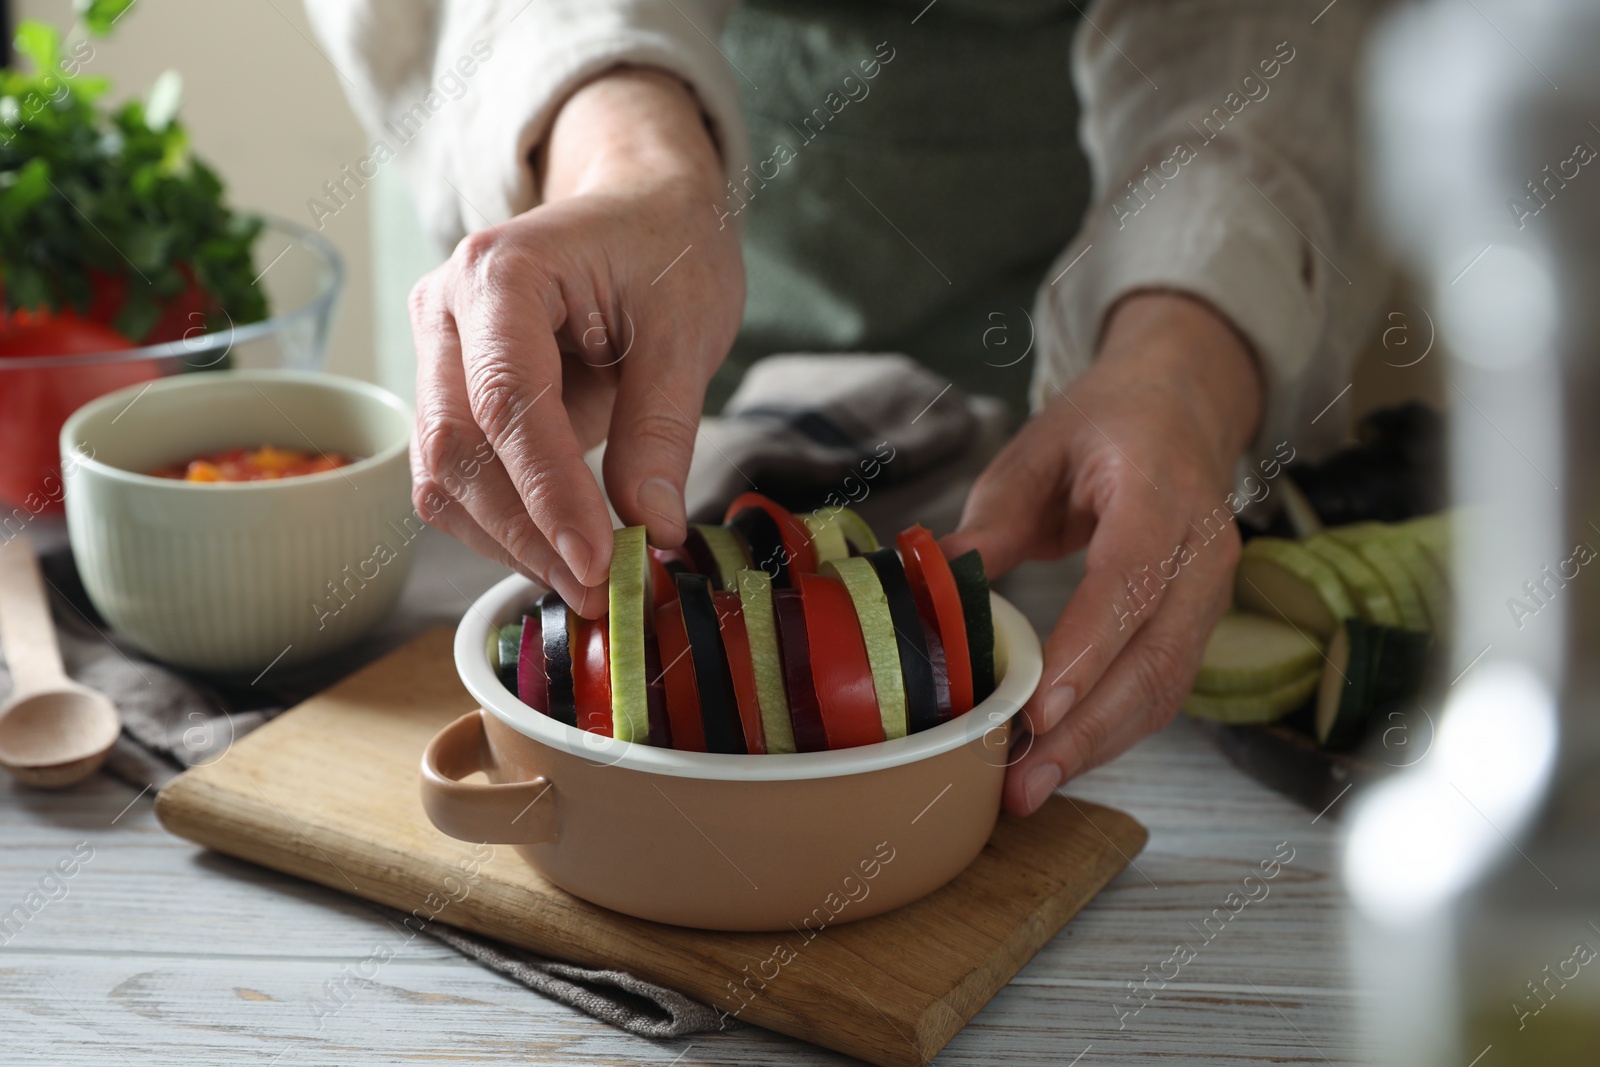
(53, 731)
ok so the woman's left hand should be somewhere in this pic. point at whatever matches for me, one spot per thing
(1134, 463)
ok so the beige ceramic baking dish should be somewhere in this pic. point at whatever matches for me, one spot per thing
(723, 842)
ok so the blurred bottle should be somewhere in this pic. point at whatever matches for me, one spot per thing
(1476, 872)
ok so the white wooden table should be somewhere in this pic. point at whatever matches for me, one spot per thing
(160, 953)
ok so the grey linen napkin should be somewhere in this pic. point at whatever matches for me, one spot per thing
(808, 430)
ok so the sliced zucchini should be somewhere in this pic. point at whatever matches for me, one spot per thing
(1344, 693)
(973, 586)
(1375, 548)
(761, 626)
(827, 536)
(1254, 654)
(877, 631)
(728, 551)
(1403, 661)
(1240, 708)
(629, 593)
(856, 532)
(1433, 532)
(1370, 591)
(1431, 589)
(1280, 579)
(508, 648)
(555, 621)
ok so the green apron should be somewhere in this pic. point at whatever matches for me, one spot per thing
(910, 183)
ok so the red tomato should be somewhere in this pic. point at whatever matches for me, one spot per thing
(845, 693)
(34, 402)
(591, 676)
(683, 694)
(736, 643)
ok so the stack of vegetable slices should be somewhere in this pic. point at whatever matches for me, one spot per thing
(1350, 616)
(773, 632)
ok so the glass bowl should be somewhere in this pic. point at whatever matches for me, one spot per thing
(302, 275)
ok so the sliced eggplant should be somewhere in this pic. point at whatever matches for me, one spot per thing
(767, 554)
(556, 630)
(973, 585)
(719, 710)
(941, 671)
(656, 694)
(532, 687)
(805, 714)
(916, 665)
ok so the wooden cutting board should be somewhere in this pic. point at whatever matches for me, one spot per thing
(328, 791)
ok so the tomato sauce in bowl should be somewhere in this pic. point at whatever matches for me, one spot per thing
(266, 463)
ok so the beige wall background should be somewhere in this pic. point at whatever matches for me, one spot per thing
(264, 108)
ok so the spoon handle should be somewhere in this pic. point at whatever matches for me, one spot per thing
(27, 633)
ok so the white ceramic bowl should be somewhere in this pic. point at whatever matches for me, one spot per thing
(234, 577)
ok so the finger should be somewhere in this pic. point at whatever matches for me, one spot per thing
(1140, 693)
(653, 428)
(1014, 506)
(512, 369)
(1136, 551)
(458, 483)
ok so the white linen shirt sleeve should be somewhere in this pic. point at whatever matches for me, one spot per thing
(461, 91)
(1222, 141)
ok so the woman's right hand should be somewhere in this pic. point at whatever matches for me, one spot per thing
(599, 315)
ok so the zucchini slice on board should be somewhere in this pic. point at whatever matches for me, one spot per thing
(1344, 693)
(727, 550)
(973, 586)
(1431, 587)
(1367, 587)
(1369, 668)
(1281, 580)
(559, 687)
(1239, 708)
(827, 536)
(1374, 546)
(878, 631)
(761, 627)
(916, 662)
(1254, 654)
(719, 708)
(630, 596)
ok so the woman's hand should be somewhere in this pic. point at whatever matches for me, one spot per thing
(599, 315)
(1134, 462)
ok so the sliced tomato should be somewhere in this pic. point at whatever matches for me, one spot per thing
(591, 675)
(736, 643)
(839, 664)
(937, 597)
(683, 698)
(663, 589)
(799, 553)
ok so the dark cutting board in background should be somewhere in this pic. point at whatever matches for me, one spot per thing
(328, 791)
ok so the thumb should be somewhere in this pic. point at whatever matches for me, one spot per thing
(1008, 509)
(653, 427)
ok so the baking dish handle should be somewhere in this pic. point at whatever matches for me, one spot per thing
(509, 813)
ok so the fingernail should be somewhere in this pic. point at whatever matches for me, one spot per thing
(661, 498)
(1056, 705)
(575, 552)
(1040, 783)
